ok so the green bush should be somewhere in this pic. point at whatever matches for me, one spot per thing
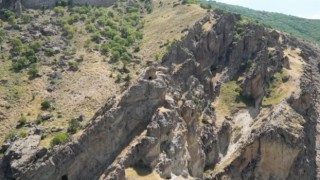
(96, 37)
(111, 23)
(189, 1)
(46, 104)
(74, 18)
(74, 126)
(22, 121)
(102, 21)
(115, 56)
(33, 71)
(120, 40)
(38, 120)
(20, 64)
(36, 45)
(105, 49)
(73, 65)
(25, 18)
(63, 2)
(2, 36)
(23, 134)
(62, 21)
(68, 31)
(5, 14)
(10, 135)
(91, 28)
(136, 49)
(49, 52)
(59, 10)
(109, 32)
(149, 8)
(125, 56)
(59, 139)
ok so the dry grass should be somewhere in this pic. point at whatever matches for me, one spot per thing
(165, 24)
(281, 90)
(228, 101)
(141, 174)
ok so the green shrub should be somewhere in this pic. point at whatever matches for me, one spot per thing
(68, 31)
(74, 126)
(25, 18)
(109, 32)
(96, 37)
(91, 28)
(127, 77)
(59, 139)
(38, 120)
(59, 10)
(23, 134)
(115, 56)
(49, 52)
(73, 65)
(125, 56)
(2, 36)
(10, 135)
(205, 5)
(22, 120)
(149, 8)
(110, 14)
(20, 64)
(74, 18)
(102, 21)
(62, 21)
(111, 23)
(120, 40)
(33, 71)
(36, 45)
(46, 104)
(63, 3)
(5, 14)
(190, 1)
(136, 49)
(105, 49)
(12, 20)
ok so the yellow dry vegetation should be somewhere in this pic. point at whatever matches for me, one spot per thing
(281, 90)
(141, 174)
(228, 100)
(166, 23)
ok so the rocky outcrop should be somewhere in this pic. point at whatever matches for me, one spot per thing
(167, 122)
(111, 130)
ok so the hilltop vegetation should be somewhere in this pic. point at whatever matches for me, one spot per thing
(307, 29)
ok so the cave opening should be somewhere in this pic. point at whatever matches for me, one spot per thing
(64, 177)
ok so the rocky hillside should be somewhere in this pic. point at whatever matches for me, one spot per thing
(59, 66)
(230, 100)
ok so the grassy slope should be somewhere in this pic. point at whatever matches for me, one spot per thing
(306, 29)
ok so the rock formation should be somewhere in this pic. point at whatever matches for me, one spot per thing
(171, 122)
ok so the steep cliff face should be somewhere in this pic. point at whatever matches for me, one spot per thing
(232, 100)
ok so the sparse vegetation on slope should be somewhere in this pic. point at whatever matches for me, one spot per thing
(48, 57)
